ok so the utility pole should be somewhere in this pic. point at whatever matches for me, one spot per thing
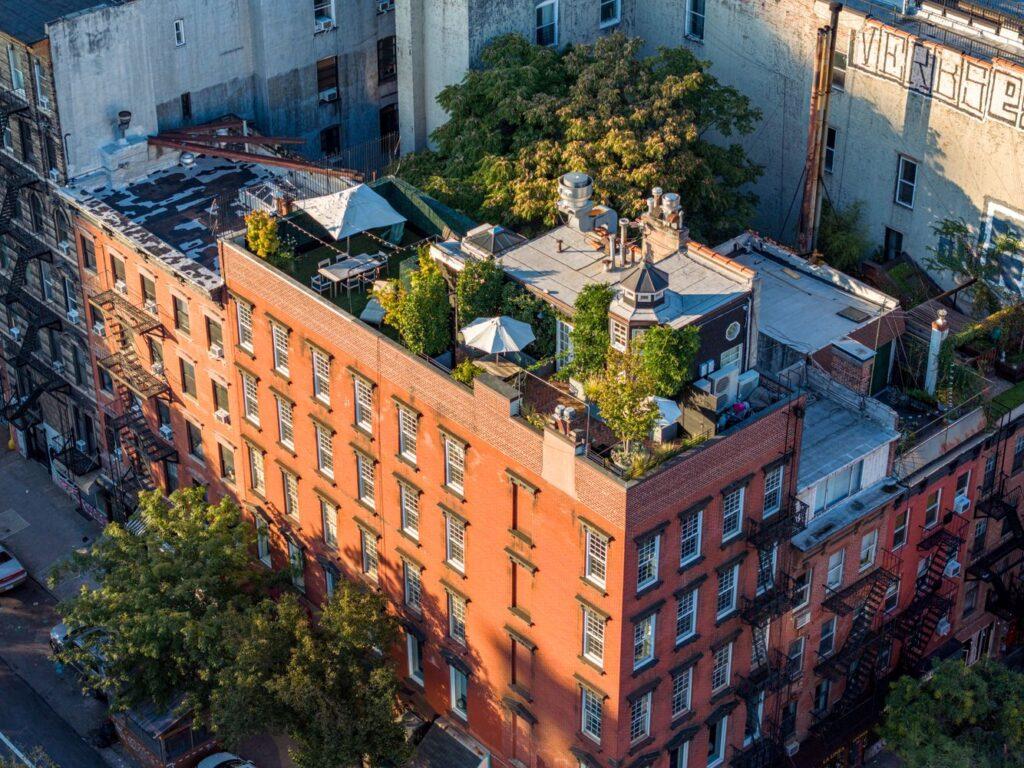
(817, 133)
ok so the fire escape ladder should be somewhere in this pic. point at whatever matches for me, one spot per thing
(11, 103)
(19, 409)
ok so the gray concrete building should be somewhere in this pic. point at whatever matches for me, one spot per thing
(925, 119)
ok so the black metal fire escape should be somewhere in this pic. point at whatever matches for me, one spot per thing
(857, 659)
(994, 567)
(139, 445)
(771, 671)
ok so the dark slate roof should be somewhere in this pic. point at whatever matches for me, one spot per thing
(495, 240)
(26, 20)
(646, 278)
(439, 749)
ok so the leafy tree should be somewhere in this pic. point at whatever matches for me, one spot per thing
(518, 303)
(667, 356)
(478, 290)
(963, 717)
(338, 695)
(421, 314)
(466, 371)
(622, 394)
(165, 596)
(589, 335)
(261, 234)
(529, 114)
(961, 253)
(841, 237)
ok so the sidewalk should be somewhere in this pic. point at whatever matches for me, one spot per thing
(39, 525)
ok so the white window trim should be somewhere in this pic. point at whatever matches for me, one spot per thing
(179, 33)
(700, 535)
(693, 612)
(640, 585)
(723, 742)
(618, 13)
(586, 694)
(589, 535)
(690, 13)
(720, 614)
(453, 674)
(903, 160)
(742, 491)
(412, 648)
(542, 4)
(651, 622)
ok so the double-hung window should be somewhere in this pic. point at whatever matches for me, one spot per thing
(727, 587)
(250, 399)
(830, 149)
(717, 739)
(285, 428)
(407, 428)
(364, 404)
(257, 478)
(546, 22)
(413, 586)
(459, 692)
(828, 637)
(368, 547)
(297, 563)
(906, 182)
(593, 636)
(590, 708)
(455, 542)
(682, 690)
(414, 655)
(454, 464)
(868, 549)
(721, 668)
(686, 615)
(696, 10)
(931, 512)
(836, 561)
(892, 597)
(595, 565)
(244, 312)
(324, 448)
(773, 490)
(263, 540)
(647, 561)
(409, 506)
(802, 589)
(689, 537)
(899, 534)
(280, 339)
(366, 480)
(640, 717)
(181, 318)
(321, 375)
(766, 560)
(611, 12)
(329, 517)
(643, 640)
(732, 514)
(290, 492)
(457, 618)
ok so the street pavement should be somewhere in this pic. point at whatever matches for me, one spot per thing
(39, 706)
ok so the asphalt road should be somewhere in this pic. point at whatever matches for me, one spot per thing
(30, 724)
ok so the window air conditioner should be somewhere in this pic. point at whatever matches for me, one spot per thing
(943, 627)
(73, 315)
(961, 504)
(166, 432)
(324, 24)
(384, 6)
(82, 446)
(157, 369)
(222, 416)
(952, 569)
(792, 747)
(802, 620)
(150, 306)
(99, 329)
(121, 286)
(216, 352)
(328, 95)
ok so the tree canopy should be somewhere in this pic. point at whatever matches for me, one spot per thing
(421, 314)
(589, 335)
(841, 239)
(187, 613)
(529, 114)
(667, 356)
(962, 717)
(622, 394)
(961, 253)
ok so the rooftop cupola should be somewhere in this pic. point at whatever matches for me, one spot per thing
(645, 286)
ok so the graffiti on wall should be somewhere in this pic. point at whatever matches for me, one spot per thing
(982, 89)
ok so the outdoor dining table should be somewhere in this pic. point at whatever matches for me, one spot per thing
(354, 266)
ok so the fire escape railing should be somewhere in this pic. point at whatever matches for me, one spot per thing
(1006, 596)
(791, 518)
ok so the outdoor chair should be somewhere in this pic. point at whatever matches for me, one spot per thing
(320, 284)
(323, 263)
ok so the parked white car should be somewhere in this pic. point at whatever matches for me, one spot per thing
(12, 573)
(225, 760)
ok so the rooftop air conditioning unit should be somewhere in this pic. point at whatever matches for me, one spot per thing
(216, 352)
(724, 386)
(150, 306)
(222, 416)
(99, 328)
(961, 504)
(328, 95)
(746, 383)
(73, 315)
(943, 627)
(121, 286)
(952, 569)
(166, 432)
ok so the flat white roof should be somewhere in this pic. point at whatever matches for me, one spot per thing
(697, 284)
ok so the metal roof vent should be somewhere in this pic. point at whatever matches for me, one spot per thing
(574, 191)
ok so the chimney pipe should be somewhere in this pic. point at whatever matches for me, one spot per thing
(656, 195)
(611, 249)
(940, 329)
(650, 206)
(623, 236)
(558, 242)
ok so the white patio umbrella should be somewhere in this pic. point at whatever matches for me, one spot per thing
(497, 334)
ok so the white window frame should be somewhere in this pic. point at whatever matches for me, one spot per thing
(554, 23)
(366, 480)
(257, 470)
(285, 424)
(773, 481)
(243, 314)
(455, 542)
(412, 586)
(250, 399)
(408, 428)
(836, 566)
(648, 551)
(717, 757)
(329, 519)
(595, 556)
(179, 33)
(459, 682)
(773, 554)
(457, 618)
(619, 333)
(591, 714)
(681, 698)
(297, 565)
(899, 532)
(721, 668)
(640, 717)
(17, 73)
(732, 356)
(733, 581)
(686, 613)
(290, 492)
(892, 593)
(644, 632)
(454, 464)
(369, 555)
(363, 394)
(409, 507)
(803, 594)
(263, 540)
(615, 19)
(868, 549)
(563, 343)
(321, 365)
(414, 658)
(730, 532)
(593, 636)
(694, 13)
(279, 337)
(903, 184)
(932, 511)
(324, 448)
(324, 11)
(41, 98)
(830, 634)
(690, 532)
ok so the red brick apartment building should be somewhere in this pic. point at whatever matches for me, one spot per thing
(556, 613)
